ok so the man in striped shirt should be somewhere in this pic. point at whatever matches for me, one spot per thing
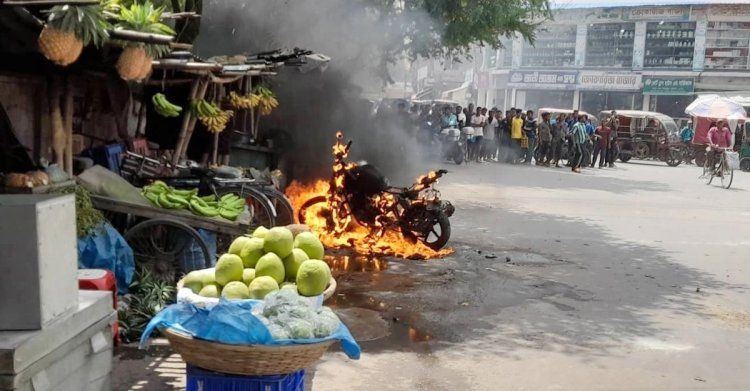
(579, 136)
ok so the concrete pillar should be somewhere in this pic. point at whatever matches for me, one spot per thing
(576, 99)
(646, 101)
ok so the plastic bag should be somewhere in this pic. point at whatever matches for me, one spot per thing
(105, 248)
(232, 322)
(733, 160)
(100, 181)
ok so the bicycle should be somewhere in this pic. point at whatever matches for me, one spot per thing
(723, 170)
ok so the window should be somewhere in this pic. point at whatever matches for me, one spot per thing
(610, 45)
(554, 46)
(669, 45)
(727, 45)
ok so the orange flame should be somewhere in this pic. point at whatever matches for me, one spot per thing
(333, 223)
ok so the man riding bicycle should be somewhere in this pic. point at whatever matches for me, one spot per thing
(719, 139)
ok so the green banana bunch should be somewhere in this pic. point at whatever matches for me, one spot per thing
(229, 206)
(163, 107)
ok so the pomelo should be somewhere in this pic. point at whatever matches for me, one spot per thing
(272, 266)
(261, 286)
(193, 281)
(260, 232)
(248, 275)
(210, 291)
(289, 285)
(279, 241)
(237, 245)
(235, 290)
(310, 244)
(251, 252)
(312, 277)
(228, 268)
(208, 278)
(292, 263)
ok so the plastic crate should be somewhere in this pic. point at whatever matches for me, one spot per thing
(108, 156)
(202, 380)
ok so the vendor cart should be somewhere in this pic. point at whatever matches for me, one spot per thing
(168, 241)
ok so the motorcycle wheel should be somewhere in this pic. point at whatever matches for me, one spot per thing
(458, 155)
(439, 234)
(301, 214)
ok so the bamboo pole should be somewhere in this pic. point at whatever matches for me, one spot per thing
(185, 122)
(56, 120)
(215, 152)
(201, 94)
(68, 123)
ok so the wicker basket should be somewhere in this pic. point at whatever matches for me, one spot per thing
(327, 294)
(250, 360)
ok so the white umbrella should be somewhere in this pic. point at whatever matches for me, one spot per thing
(713, 106)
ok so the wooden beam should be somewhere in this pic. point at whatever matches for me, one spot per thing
(180, 15)
(186, 65)
(136, 36)
(181, 46)
(68, 123)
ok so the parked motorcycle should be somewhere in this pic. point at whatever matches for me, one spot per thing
(453, 145)
(363, 192)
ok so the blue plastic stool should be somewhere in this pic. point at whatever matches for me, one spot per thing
(202, 380)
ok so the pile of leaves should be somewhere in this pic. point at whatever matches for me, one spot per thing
(148, 295)
(88, 219)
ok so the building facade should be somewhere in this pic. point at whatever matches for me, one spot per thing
(655, 58)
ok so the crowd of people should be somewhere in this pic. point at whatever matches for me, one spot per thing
(519, 137)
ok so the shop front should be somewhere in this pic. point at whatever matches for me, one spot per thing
(609, 91)
(669, 95)
(534, 89)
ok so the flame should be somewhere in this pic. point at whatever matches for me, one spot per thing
(333, 223)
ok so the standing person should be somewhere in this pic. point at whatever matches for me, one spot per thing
(505, 140)
(687, 133)
(530, 131)
(613, 149)
(588, 146)
(602, 136)
(516, 134)
(490, 132)
(559, 130)
(461, 117)
(477, 121)
(545, 138)
(579, 137)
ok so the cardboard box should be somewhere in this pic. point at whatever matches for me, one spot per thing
(38, 269)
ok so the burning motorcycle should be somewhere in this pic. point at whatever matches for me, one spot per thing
(362, 193)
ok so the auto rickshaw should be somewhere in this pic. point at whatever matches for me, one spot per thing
(646, 135)
(745, 148)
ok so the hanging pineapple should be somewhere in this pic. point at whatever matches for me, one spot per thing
(69, 28)
(136, 61)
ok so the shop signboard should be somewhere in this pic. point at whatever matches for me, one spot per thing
(544, 80)
(609, 81)
(653, 85)
(658, 13)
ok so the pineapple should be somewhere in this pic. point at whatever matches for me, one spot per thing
(135, 62)
(131, 62)
(69, 28)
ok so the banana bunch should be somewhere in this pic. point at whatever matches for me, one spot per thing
(210, 115)
(163, 107)
(243, 101)
(229, 206)
(266, 100)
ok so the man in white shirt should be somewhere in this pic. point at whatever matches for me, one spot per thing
(461, 117)
(477, 121)
(489, 149)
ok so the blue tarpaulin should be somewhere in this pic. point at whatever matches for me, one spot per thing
(232, 322)
(105, 248)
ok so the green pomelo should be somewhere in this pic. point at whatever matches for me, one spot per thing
(248, 275)
(260, 232)
(228, 268)
(272, 266)
(310, 244)
(208, 278)
(237, 245)
(292, 263)
(289, 285)
(313, 277)
(261, 286)
(279, 241)
(193, 281)
(251, 252)
(210, 291)
(235, 290)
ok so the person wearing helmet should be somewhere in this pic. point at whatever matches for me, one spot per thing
(687, 133)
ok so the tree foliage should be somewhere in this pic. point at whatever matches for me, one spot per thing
(440, 28)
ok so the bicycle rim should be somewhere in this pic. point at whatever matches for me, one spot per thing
(726, 179)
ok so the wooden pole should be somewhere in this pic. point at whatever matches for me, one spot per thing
(56, 120)
(215, 152)
(201, 94)
(68, 123)
(185, 122)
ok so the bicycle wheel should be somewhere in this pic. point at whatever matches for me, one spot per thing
(708, 173)
(167, 248)
(727, 176)
(284, 208)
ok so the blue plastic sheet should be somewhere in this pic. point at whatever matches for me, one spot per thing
(105, 248)
(232, 322)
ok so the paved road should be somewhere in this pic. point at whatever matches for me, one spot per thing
(617, 279)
